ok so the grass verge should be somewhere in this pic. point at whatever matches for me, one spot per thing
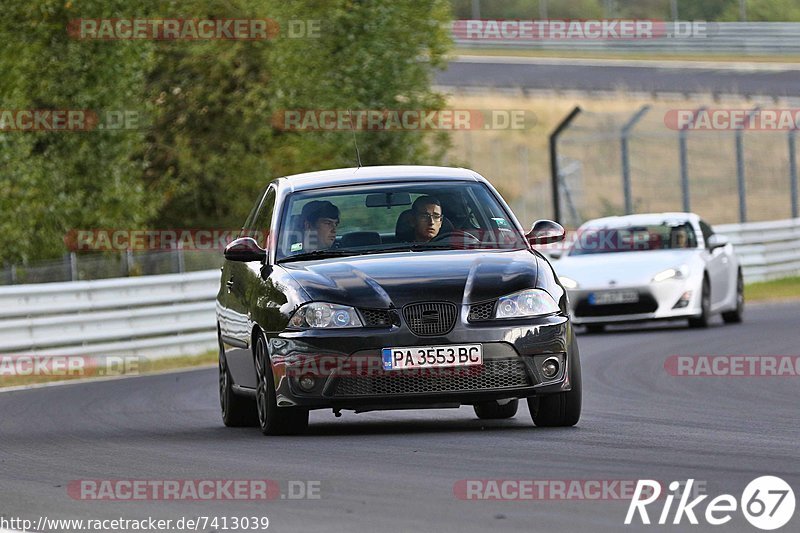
(13, 375)
(774, 290)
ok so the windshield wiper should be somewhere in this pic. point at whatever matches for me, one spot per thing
(318, 254)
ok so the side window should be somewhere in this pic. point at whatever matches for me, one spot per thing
(248, 223)
(260, 226)
(707, 232)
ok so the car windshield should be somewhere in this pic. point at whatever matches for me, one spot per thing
(641, 238)
(394, 217)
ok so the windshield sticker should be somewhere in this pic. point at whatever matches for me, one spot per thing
(296, 247)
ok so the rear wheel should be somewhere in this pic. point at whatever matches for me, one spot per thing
(274, 420)
(705, 308)
(561, 409)
(735, 316)
(237, 411)
(494, 410)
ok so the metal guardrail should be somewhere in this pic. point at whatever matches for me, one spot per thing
(157, 316)
(767, 250)
(740, 38)
(150, 315)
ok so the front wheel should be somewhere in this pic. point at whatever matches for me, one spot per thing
(703, 320)
(735, 316)
(496, 411)
(561, 409)
(274, 420)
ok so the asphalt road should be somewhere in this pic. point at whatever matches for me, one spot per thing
(612, 76)
(395, 471)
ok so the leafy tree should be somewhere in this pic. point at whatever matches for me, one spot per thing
(55, 181)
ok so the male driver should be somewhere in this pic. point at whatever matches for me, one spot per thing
(427, 218)
(320, 218)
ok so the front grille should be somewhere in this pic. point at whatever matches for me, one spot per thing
(646, 304)
(432, 318)
(380, 317)
(480, 312)
(494, 374)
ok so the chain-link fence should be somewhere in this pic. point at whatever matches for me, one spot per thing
(614, 164)
(86, 266)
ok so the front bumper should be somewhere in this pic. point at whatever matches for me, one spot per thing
(346, 365)
(657, 301)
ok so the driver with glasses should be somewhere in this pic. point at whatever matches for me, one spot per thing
(427, 218)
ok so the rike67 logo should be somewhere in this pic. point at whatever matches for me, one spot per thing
(767, 503)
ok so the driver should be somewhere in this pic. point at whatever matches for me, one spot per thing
(427, 218)
(320, 220)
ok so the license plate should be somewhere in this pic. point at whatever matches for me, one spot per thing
(432, 356)
(613, 297)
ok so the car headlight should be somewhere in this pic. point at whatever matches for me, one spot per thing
(677, 273)
(326, 316)
(531, 302)
(568, 283)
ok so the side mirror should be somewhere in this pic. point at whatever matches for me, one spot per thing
(717, 241)
(244, 250)
(545, 232)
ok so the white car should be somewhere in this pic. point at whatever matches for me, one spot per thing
(650, 267)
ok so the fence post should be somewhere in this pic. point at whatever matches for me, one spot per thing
(684, 160)
(554, 177)
(740, 174)
(72, 265)
(626, 165)
(793, 170)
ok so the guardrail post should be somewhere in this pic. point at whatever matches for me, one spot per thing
(554, 176)
(740, 173)
(684, 160)
(793, 170)
(626, 165)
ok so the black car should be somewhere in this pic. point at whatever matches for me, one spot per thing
(391, 287)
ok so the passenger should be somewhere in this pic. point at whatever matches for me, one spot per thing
(320, 218)
(680, 239)
(427, 218)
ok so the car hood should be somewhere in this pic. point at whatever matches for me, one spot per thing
(623, 268)
(395, 279)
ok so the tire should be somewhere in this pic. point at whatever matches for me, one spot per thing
(274, 420)
(564, 408)
(703, 320)
(237, 411)
(595, 328)
(735, 316)
(494, 411)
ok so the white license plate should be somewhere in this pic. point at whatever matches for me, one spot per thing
(614, 297)
(432, 356)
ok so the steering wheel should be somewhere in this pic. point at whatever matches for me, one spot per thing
(458, 234)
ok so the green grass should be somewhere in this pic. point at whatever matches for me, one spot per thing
(142, 366)
(779, 289)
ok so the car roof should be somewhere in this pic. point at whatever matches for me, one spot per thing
(377, 174)
(641, 219)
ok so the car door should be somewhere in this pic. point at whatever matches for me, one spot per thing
(717, 266)
(242, 282)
